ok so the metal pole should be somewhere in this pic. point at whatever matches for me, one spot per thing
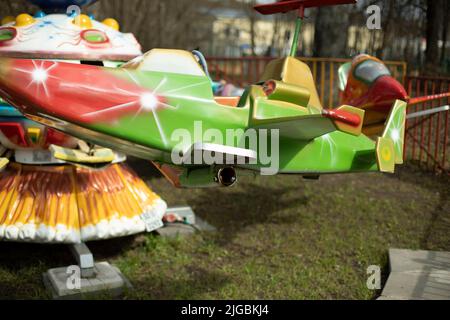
(298, 28)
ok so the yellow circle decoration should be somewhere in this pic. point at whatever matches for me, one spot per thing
(112, 23)
(24, 19)
(83, 21)
(386, 154)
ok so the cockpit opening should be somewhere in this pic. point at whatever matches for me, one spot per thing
(369, 71)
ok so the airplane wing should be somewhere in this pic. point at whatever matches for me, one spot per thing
(290, 5)
(302, 127)
(423, 99)
(345, 118)
(428, 112)
(416, 100)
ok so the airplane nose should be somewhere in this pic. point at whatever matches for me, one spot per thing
(73, 92)
(4, 66)
(5, 81)
(10, 89)
(391, 88)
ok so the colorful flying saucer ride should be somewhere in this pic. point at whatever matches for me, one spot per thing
(55, 188)
(137, 109)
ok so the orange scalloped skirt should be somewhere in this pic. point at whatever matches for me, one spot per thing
(68, 204)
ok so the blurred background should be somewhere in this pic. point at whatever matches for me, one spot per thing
(415, 31)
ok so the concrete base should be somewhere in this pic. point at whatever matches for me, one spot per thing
(421, 274)
(108, 282)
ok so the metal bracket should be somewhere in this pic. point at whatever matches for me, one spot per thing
(84, 258)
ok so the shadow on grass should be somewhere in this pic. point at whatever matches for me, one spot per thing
(106, 249)
(21, 267)
(232, 209)
(192, 285)
(22, 264)
(17, 255)
(436, 235)
(235, 209)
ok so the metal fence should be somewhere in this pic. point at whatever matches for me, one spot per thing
(426, 137)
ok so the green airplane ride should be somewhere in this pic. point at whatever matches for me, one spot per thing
(160, 107)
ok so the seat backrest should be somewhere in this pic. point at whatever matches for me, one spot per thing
(343, 73)
(228, 101)
(293, 71)
(168, 61)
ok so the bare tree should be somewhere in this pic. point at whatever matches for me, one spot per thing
(445, 25)
(432, 31)
(330, 31)
(247, 8)
(189, 24)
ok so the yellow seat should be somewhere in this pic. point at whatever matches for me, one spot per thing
(293, 71)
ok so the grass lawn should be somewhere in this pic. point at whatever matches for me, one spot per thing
(278, 237)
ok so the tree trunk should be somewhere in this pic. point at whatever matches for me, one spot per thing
(387, 32)
(317, 48)
(432, 32)
(444, 31)
(330, 32)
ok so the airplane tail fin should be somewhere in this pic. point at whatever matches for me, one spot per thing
(390, 145)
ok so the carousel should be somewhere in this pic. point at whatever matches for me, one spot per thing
(55, 188)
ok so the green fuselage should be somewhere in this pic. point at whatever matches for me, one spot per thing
(189, 99)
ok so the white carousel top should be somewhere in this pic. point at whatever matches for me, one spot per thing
(60, 36)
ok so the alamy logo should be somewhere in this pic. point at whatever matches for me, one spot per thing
(374, 279)
(73, 281)
(374, 17)
(232, 146)
(73, 10)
